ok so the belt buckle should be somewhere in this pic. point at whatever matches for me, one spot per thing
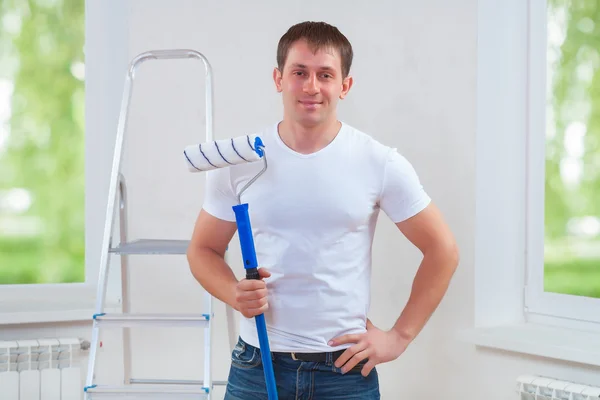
(294, 356)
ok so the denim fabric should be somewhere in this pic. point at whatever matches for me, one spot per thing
(296, 380)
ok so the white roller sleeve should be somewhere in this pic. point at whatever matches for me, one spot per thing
(222, 153)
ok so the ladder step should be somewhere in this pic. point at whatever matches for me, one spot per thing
(152, 391)
(171, 320)
(152, 246)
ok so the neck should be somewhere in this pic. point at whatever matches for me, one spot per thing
(308, 139)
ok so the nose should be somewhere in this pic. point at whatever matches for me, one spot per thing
(311, 86)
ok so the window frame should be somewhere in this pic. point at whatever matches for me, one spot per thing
(563, 308)
(106, 62)
(501, 320)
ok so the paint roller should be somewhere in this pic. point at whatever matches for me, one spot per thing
(224, 153)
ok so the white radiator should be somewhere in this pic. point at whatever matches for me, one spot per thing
(44, 369)
(531, 387)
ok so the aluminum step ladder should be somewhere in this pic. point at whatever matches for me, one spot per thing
(146, 388)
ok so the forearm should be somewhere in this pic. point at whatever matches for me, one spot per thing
(429, 287)
(213, 273)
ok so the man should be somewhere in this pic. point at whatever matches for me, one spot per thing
(313, 215)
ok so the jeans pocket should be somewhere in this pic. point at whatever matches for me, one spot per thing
(245, 356)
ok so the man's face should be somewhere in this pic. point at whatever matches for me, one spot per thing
(311, 84)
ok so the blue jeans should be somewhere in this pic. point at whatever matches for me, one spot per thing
(296, 380)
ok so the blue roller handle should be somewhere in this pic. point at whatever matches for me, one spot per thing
(251, 266)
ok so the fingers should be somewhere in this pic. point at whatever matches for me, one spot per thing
(253, 312)
(349, 353)
(258, 303)
(357, 346)
(352, 338)
(243, 294)
(352, 356)
(367, 368)
(354, 360)
(251, 284)
(263, 273)
(252, 308)
(251, 295)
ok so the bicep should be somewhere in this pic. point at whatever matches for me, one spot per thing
(427, 230)
(212, 233)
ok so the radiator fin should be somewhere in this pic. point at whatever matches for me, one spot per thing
(44, 369)
(532, 387)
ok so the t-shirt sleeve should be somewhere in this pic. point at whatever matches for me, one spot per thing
(402, 195)
(219, 197)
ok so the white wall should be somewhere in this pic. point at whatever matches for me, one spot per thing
(416, 88)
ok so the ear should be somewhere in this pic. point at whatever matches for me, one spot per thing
(346, 85)
(277, 79)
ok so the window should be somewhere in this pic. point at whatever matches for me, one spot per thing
(43, 88)
(564, 160)
(513, 310)
(42, 230)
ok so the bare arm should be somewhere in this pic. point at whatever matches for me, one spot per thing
(430, 234)
(206, 254)
(206, 257)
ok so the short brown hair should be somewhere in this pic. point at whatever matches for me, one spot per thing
(318, 35)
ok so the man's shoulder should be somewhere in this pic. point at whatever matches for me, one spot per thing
(377, 154)
(367, 142)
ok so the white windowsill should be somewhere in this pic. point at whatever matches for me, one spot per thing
(539, 340)
(50, 316)
(41, 311)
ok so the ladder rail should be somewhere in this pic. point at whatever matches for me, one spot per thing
(118, 151)
(125, 299)
(108, 224)
(207, 344)
(115, 178)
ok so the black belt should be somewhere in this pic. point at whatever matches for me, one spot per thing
(310, 357)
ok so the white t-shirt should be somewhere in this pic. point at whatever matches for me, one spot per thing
(313, 218)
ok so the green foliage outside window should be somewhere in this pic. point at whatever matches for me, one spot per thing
(42, 141)
(572, 187)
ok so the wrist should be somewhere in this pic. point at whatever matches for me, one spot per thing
(403, 333)
(233, 297)
(399, 342)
